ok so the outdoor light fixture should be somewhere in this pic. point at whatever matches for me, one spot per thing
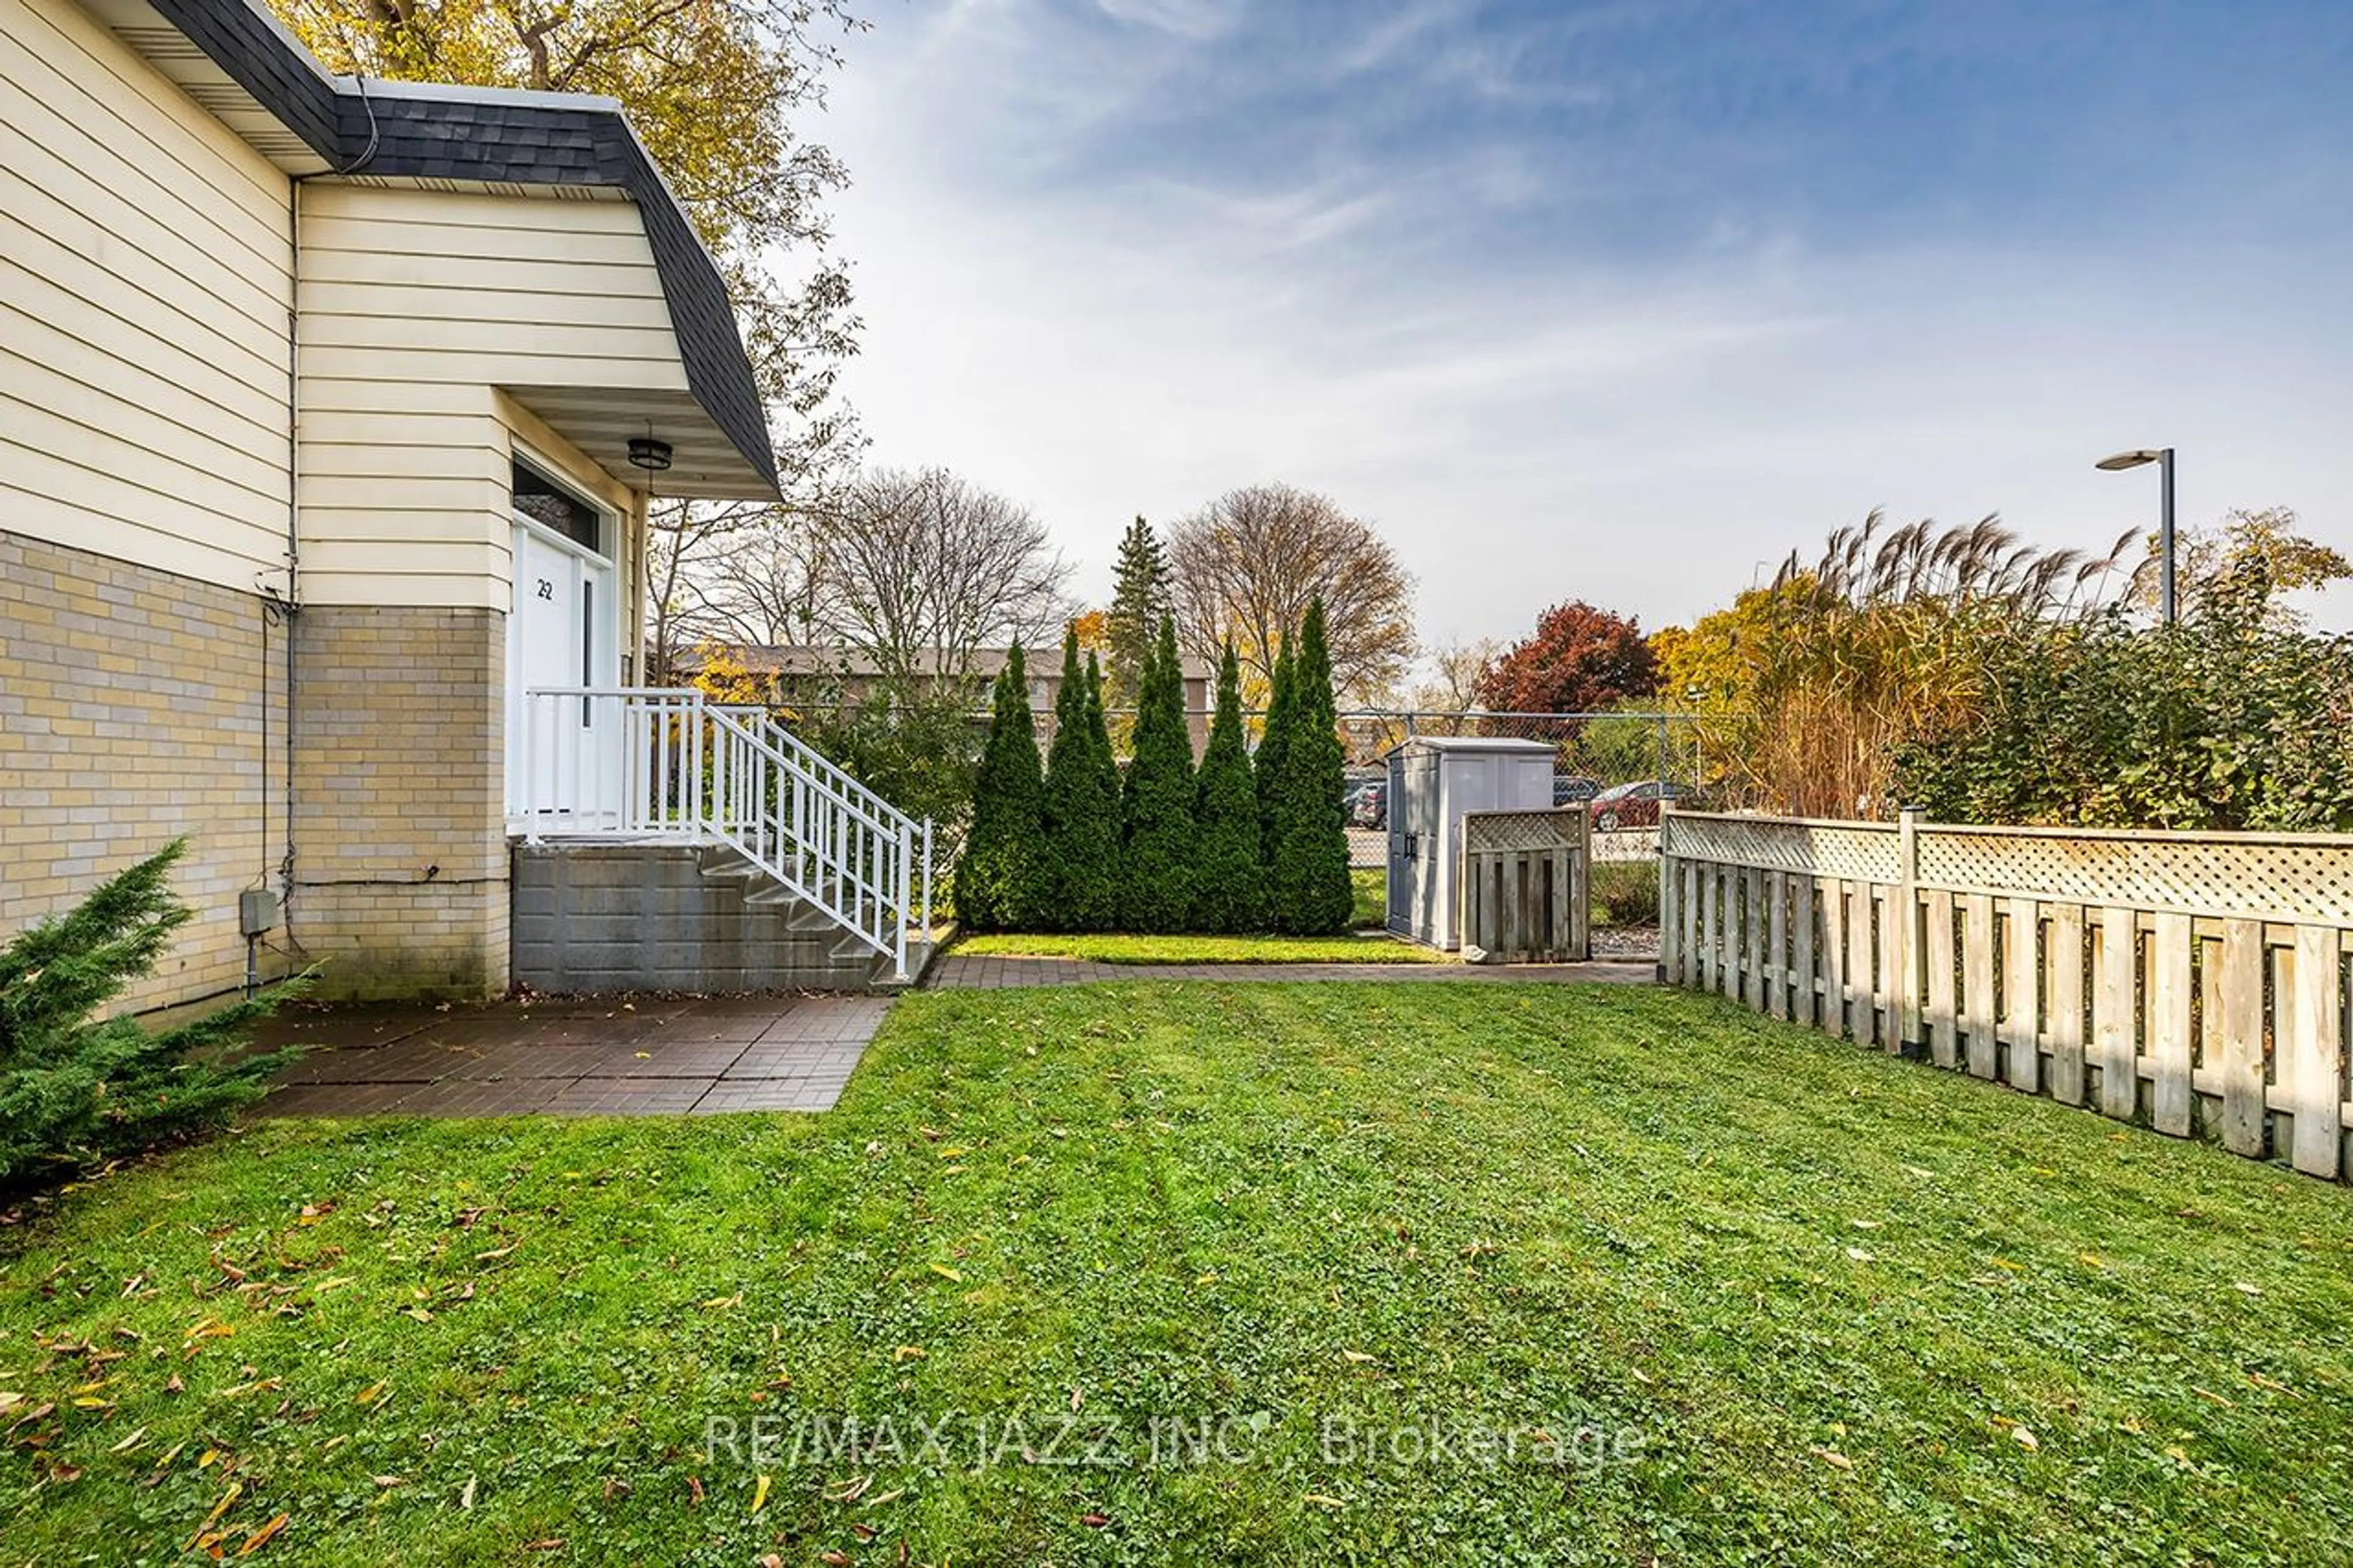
(2163, 457)
(649, 453)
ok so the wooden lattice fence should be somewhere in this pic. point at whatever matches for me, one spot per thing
(1525, 898)
(2196, 982)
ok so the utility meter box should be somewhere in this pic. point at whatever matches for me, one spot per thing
(1433, 780)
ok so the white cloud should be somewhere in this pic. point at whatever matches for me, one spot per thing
(1524, 431)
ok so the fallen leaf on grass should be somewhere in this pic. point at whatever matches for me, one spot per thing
(1094, 1520)
(370, 1394)
(722, 1303)
(853, 1491)
(759, 1495)
(1832, 1457)
(255, 1542)
(1320, 1501)
(1357, 1356)
(908, 1353)
(236, 1490)
(1860, 1255)
(944, 1272)
(2025, 1439)
(2245, 1287)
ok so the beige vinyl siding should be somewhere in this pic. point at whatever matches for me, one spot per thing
(145, 273)
(418, 305)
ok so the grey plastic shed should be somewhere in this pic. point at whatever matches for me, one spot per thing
(1433, 780)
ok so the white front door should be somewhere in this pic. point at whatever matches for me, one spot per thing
(563, 760)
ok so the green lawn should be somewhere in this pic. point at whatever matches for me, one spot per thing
(1371, 888)
(1115, 947)
(1733, 1293)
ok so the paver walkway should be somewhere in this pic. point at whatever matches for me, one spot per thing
(581, 1057)
(956, 972)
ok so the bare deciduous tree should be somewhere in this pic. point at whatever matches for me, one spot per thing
(1246, 566)
(918, 569)
(1455, 671)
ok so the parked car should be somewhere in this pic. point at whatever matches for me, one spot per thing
(1633, 804)
(1573, 789)
(1368, 805)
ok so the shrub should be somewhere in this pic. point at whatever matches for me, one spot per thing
(2232, 720)
(996, 882)
(1081, 817)
(74, 1091)
(1308, 891)
(1230, 881)
(1625, 892)
(1156, 809)
(912, 742)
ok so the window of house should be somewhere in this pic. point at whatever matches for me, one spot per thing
(552, 506)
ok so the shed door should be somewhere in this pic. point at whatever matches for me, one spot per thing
(1399, 893)
(1428, 829)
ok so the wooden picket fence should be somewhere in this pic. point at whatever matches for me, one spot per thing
(2194, 981)
(1524, 887)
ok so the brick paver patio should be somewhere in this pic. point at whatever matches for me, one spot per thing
(581, 1057)
(956, 972)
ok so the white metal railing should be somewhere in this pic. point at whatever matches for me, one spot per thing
(634, 762)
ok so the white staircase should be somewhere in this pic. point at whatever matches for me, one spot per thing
(640, 762)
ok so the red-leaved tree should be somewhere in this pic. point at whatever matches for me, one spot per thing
(1580, 660)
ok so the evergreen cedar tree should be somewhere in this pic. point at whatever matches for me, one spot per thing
(1578, 660)
(1271, 746)
(1308, 891)
(1141, 598)
(1230, 880)
(1156, 868)
(74, 1090)
(1080, 839)
(996, 882)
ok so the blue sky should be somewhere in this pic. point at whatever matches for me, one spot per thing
(1611, 300)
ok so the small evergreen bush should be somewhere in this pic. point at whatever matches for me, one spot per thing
(998, 880)
(1157, 807)
(1230, 880)
(74, 1090)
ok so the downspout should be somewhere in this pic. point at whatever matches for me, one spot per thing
(291, 606)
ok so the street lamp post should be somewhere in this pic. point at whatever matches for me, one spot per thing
(2163, 457)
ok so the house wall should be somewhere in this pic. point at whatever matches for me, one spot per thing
(137, 707)
(144, 288)
(416, 305)
(144, 284)
(400, 883)
(147, 277)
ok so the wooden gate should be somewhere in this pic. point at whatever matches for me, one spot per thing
(1523, 891)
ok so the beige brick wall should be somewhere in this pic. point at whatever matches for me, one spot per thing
(400, 882)
(136, 707)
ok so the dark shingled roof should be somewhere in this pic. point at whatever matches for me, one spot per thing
(535, 139)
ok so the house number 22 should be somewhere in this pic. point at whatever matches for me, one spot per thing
(546, 589)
